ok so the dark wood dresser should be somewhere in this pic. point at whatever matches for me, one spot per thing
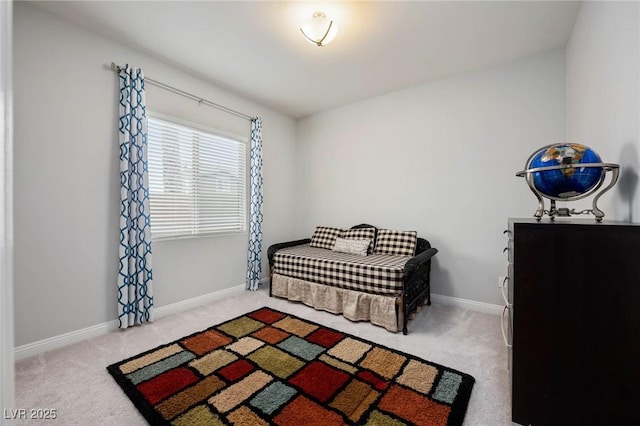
(573, 303)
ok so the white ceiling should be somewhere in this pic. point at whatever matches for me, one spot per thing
(256, 50)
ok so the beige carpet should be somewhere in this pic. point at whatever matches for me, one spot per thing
(75, 382)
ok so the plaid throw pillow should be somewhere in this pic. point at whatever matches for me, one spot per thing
(399, 243)
(361, 234)
(325, 237)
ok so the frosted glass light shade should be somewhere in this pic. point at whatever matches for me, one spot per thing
(319, 30)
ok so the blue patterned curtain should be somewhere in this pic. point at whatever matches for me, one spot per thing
(135, 291)
(254, 268)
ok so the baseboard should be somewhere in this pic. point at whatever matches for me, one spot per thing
(472, 305)
(185, 305)
(76, 336)
(65, 339)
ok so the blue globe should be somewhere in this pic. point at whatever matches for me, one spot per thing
(566, 183)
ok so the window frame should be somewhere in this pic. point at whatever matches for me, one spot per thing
(243, 140)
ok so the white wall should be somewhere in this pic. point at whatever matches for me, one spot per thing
(67, 179)
(603, 95)
(439, 158)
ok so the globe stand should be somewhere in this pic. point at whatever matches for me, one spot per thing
(553, 211)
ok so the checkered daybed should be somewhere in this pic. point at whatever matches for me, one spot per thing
(364, 273)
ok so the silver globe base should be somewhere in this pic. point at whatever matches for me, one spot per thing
(553, 211)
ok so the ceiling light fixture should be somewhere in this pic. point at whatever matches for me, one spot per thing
(319, 30)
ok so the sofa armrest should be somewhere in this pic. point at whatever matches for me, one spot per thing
(422, 245)
(418, 262)
(416, 286)
(271, 251)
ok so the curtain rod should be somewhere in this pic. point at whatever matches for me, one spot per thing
(118, 68)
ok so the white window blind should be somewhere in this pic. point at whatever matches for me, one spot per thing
(197, 181)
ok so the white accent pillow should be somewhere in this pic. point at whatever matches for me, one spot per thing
(358, 247)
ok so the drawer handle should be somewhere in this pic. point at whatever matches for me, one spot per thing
(504, 335)
(506, 249)
(504, 296)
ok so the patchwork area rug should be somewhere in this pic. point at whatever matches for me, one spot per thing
(272, 368)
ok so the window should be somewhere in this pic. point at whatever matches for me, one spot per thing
(197, 181)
